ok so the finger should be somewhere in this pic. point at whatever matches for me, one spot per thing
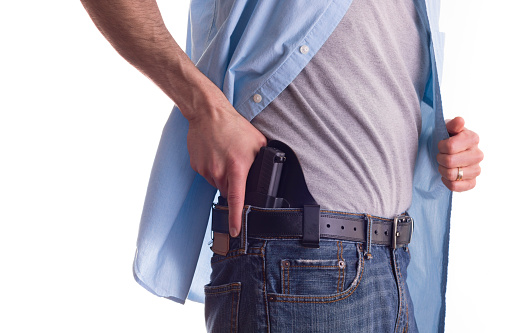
(462, 159)
(455, 125)
(460, 142)
(469, 172)
(235, 199)
(459, 186)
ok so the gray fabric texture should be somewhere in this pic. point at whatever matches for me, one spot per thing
(352, 115)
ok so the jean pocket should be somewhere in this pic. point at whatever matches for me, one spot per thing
(312, 277)
(320, 280)
(222, 306)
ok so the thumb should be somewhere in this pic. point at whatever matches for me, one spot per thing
(235, 200)
(455, 125)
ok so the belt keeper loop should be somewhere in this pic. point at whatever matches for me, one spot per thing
(244, 227)
(367, 253)
(311, 225)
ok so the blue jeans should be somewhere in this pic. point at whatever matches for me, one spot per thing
(277, 285)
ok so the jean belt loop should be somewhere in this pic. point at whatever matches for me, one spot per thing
(368, 254)
(244, 226)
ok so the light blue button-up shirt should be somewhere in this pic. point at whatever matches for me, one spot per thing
(252, 50)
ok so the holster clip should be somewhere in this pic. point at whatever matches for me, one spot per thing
(311, 231)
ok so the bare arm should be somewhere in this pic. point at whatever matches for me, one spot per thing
(137, 31)
(222, 144)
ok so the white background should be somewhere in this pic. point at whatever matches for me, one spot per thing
(79, 129)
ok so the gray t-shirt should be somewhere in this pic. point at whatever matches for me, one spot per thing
(352, 115)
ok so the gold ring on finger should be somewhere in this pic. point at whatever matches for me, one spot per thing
(460, 174)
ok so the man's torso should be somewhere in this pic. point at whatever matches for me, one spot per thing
(353, 114)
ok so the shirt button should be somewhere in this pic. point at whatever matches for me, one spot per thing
(258, 98)
(304, 49)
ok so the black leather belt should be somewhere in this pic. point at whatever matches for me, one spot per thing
(291, 222)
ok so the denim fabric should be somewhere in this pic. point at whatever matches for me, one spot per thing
(277, 285)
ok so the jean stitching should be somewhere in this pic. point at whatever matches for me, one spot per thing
(288, 280)
(283, 277)
(339, 272)
(369, 236)
(235, 305)
(399, 290)
(403, 295)
(232, 315)
(262, 254)
(221, 292)
(406, 325)
(234, 253)
(315, 266)
(224, 289)
(400, 296)
(237, 255)
(343, 269)
(406, 300)
(244, 228)
(338, 297)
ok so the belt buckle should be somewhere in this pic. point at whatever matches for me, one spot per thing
(395, 233)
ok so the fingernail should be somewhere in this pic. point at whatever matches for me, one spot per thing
(233, 232)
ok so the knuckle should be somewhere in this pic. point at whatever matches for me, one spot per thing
(237, 168)
(450, 145)
(262, 140)
(233, 197)
(206, 174)
(233, 162)
(220, 180)
(449, 161)
(216, 170)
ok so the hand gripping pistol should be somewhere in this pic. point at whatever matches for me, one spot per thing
(263, 179)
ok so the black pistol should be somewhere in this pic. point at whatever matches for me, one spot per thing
(263, 179)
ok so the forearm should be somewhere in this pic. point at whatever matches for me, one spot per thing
(136, 30)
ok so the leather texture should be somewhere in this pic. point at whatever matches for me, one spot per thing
(289, 222)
